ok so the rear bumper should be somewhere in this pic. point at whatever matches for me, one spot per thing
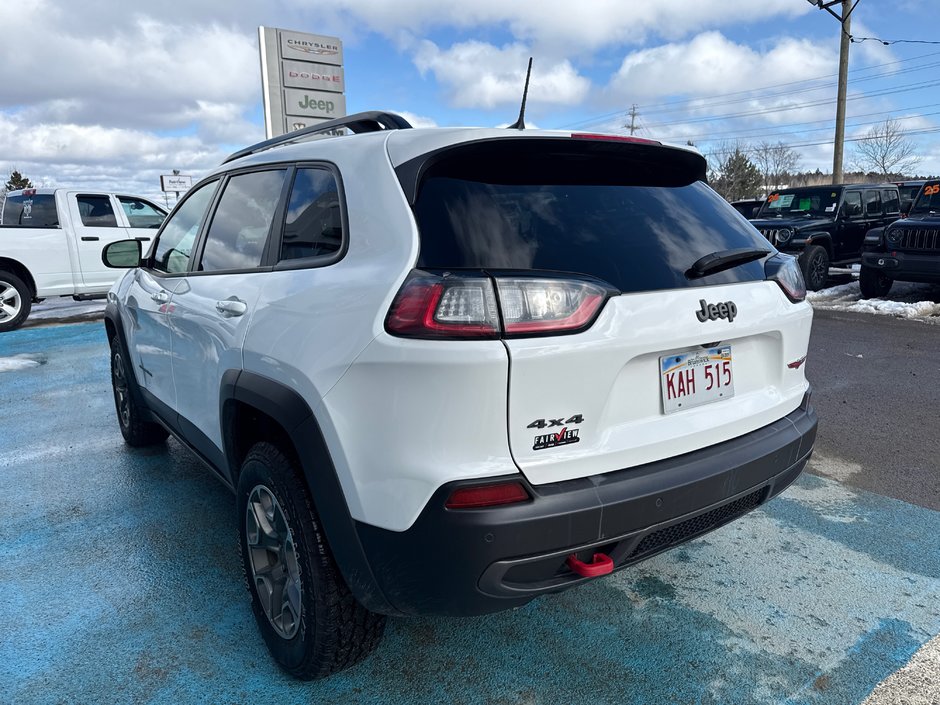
(462, 562)
(905, 266)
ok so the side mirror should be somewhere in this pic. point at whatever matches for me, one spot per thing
(123, 254)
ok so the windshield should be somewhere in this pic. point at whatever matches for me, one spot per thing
(929, 199)
(820, 202)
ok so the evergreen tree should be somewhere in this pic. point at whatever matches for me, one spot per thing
(17, 181)
(738, 177)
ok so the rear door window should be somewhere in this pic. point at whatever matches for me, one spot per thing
(96, 211)
(872, 203)
(242, 222)
(30, 211)
(891, 202)
(633, 218)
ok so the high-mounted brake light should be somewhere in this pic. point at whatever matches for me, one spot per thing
(487, 496)
(466, 306)
(612, 138)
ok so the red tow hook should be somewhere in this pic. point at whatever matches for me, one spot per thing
(601, 564)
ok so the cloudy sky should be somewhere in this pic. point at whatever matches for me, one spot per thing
(99, 93)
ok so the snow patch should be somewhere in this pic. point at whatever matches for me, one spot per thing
(905, 300)
(15, 363)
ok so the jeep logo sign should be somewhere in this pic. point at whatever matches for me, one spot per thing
(301, 103)
(712, 312)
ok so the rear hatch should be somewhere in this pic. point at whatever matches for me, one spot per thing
(674, 358)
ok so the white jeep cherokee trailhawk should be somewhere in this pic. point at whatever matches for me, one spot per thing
(447, 371)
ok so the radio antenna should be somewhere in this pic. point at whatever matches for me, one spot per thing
(520, 123)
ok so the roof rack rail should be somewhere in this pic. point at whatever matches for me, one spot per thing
(371, 121)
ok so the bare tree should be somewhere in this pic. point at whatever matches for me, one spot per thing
(775, 161)
(886, 150)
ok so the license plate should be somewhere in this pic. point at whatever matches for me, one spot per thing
(696, 378)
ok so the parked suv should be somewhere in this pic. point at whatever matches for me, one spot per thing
(825, 225)
(908, 250)
(447, 371)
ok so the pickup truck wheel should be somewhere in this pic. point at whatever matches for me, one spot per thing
(15, 301)
(873, 283)
(309, 619)
(815, 265)
(136, 431)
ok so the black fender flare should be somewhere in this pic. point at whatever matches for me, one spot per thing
(294, 415)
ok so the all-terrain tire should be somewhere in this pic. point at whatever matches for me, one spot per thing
(318, 627)
(16, 300)
(132, 417)
(814, 261)
(873, 283)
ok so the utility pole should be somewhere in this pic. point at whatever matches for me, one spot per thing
(632, 119)
(845, 22)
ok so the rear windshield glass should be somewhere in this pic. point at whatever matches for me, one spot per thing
(37, 211)
(638, 226)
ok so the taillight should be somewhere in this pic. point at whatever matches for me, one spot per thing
(784, 270)
(430, 306)
(548, 305)
(466, 306)
(487, 496)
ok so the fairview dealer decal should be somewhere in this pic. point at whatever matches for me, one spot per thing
(562, 438)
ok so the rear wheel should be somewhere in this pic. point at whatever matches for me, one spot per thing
(815, 265)
(311, 622)
(15, 301)
(873, 283)
(137, 431)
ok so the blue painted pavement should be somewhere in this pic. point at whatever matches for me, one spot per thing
(120, 583)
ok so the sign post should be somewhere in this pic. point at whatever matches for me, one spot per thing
(302, 79)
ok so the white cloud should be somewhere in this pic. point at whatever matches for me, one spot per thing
(575, 28)
(480, 75)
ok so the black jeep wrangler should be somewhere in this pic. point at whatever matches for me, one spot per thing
(907, 250)
(825, 225)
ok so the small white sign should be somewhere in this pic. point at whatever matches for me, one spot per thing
(175, 182)
(314, 103)
(319, 77)
(311, 47)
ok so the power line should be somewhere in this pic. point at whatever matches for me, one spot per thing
(647, 108)
(875, 94)
(889, 42)
(915, 132)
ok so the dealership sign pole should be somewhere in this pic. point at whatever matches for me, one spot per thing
(302, 79)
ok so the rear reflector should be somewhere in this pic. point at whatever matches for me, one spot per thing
(487, 496)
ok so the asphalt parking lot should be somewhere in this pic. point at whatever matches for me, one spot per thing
(121, 583)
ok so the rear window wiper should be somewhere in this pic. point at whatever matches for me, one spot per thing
(724, 259)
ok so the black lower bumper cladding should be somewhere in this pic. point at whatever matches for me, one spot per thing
(463, 562)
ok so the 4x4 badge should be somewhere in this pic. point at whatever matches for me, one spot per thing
(711, 312)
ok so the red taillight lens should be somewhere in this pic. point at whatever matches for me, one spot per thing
(487, 496)
(444, 307)
(459, 306)
(548, 305)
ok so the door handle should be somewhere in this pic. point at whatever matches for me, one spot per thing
(231, 307)
(160, 297)
(89, 238)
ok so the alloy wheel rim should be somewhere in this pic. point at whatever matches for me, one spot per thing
(10, 302)
(274, 568)
(120, 391)
(820, 271)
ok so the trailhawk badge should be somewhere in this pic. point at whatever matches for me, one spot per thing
(562, 438)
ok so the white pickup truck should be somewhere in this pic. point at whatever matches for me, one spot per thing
(51, 242)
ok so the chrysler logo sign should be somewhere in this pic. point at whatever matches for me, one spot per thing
(313, 47)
